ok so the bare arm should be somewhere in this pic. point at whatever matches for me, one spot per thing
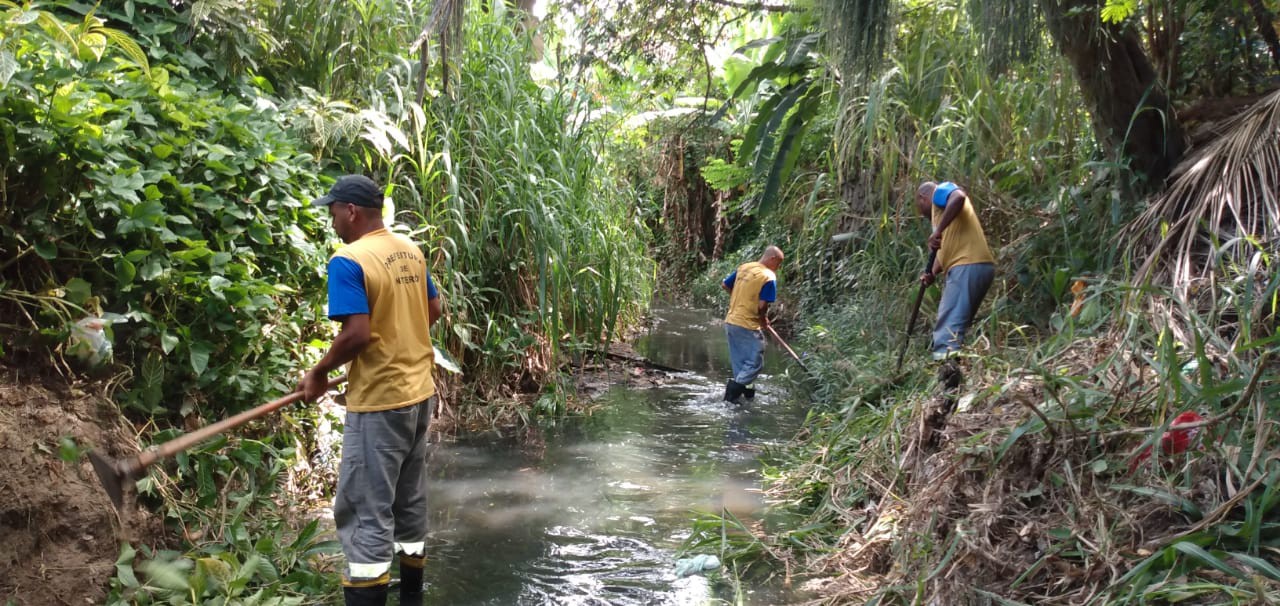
(435, 309)
(927, 277)
(351, 340)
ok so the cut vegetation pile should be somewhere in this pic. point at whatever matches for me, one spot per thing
(1033, 491)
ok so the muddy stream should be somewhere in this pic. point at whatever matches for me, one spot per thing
(593, 510)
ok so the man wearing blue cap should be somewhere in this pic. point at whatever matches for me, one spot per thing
(966, 261)
(383, 295)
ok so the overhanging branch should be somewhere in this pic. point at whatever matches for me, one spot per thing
(755, 6)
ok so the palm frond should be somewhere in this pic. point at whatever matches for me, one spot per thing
(1220, 218)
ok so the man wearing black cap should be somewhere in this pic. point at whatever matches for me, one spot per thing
(381, 292)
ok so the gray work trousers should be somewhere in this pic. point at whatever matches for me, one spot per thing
(965, 288)
(381, 504)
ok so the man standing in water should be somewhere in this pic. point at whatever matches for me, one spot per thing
(381, 292)
(965, 260)
(752, 287)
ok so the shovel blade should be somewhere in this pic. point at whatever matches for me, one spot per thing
(110, 475)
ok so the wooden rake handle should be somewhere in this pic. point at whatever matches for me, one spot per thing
(915, 313)
(787, 347)
(183, 442)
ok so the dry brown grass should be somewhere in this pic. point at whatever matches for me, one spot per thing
(1008, 499)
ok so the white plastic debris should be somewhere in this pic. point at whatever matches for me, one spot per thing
(696, 565)
(89, 342)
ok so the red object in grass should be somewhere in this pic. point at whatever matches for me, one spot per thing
(1174, 441)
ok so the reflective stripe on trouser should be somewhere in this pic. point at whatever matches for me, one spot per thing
(381, 502)
(746, 352)
(965, 287)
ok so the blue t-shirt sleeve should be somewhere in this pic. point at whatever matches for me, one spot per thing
(347, 296)
(942, 192)
(733, 277)
(431, 288)
(769, 292)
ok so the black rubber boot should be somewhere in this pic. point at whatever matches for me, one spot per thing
(411, 580)
(373, 595)
(733, 391)
(749, 393)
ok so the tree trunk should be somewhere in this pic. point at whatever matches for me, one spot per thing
(1263, 18)
(1130, 108)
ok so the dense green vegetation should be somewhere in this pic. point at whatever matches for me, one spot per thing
(158, 157)
(1033, 492)
(157, 162)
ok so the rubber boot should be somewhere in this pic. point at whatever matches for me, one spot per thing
(749, 393)
(733, 391)
(373, 595)
(411, 580)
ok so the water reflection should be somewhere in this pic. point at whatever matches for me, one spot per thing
(595, 514)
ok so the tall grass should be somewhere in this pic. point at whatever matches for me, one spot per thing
(539, 251)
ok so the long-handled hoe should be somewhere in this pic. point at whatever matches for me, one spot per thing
(788, 348)
(915, 314)
(114, 473)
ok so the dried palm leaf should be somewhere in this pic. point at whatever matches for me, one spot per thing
(1220, 218)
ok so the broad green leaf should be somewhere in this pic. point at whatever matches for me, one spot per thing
(168, 575)
(765, 148)
(152, 269)
(25, 18)
(217, 284)
(92, 45)
(47, 250)
(444, 361)
(128, 47)
(124, 567)
(200, 357)
(125, 271)
(260, 233)
(78, 290)
(758, 43)
(788, 152)
(168, 341)
(8, 67)
(162, 151)
(751, 139)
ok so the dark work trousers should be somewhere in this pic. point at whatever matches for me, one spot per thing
(381, 504)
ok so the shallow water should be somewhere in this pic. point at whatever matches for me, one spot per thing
(593, 511)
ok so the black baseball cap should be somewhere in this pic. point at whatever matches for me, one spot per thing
(353, 189)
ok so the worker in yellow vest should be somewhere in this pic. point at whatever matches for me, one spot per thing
(381, 291)
(966, 261)
(751, 287)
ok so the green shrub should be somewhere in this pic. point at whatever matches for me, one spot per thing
(173, 209)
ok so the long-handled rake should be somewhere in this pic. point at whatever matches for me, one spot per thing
(114, 473)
